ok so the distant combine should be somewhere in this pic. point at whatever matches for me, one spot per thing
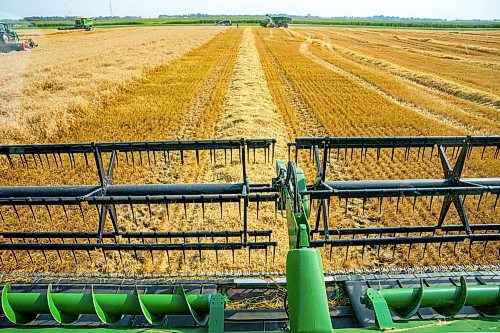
(81, 23)
(276, 21)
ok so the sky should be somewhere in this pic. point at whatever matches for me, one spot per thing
(445, 9)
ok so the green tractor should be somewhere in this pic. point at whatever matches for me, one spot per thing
(10, 41)
(81, 23)
(276, 21)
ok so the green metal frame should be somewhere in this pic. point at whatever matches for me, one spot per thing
(446, 301)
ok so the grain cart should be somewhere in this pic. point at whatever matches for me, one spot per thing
(276, 21)
(432, 299)
(81, 23)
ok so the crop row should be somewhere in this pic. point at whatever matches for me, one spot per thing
(180, 100)
(346, 108)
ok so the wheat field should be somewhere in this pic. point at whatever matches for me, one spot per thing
(182, 83)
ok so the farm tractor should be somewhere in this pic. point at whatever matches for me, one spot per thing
(81, 23)
(276, 21)
(425, 300)
(10, 41)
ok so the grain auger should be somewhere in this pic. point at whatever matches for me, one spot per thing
(418, 299)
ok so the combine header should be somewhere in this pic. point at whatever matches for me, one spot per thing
(81, 23)
(432, 299)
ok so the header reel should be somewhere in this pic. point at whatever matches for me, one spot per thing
(453, 188)
(307, 304)
(106, 197)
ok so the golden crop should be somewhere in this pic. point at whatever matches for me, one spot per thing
(309, 82)
(345, 107)
(179, 100)
(46, 90)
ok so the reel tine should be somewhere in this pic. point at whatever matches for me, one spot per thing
(17, 213)
(185, 206)
(15, 258)
(258, 201)
(34, 161)
(90, 257)
(55, 160)
(167, 209)
(81, 211)
(220, 203)
(1, 216)
(479, 202)
(33, 213)
(239, 208)
(149, 209)
(65, 213)
(29, 255)
(45, 256)
(74, 257)
(182, 156)
(202, 207)
(10, 161)
(119, 252)
(425, 249)
(496, 201)
(132, 210)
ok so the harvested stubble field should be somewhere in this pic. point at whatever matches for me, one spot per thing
(197, 83)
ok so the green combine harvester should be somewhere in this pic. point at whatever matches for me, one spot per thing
(434, 299)
(276, 21)
(81, 23)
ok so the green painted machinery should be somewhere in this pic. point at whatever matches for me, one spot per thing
(9, 39)
(81, 23)
(276, 21)
(463, 299)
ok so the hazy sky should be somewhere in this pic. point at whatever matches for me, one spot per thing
(448, 9)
